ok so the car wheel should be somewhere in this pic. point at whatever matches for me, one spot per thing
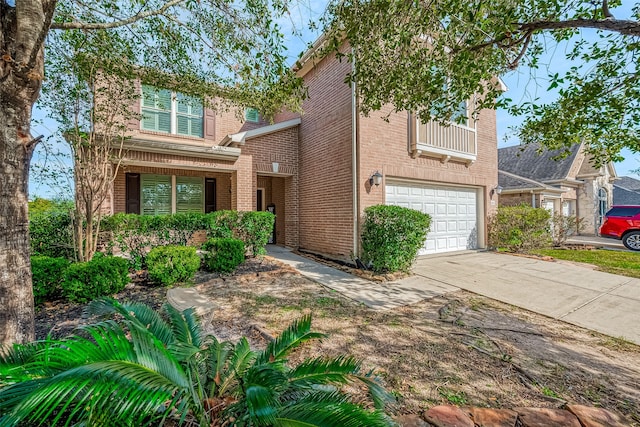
(631, 240)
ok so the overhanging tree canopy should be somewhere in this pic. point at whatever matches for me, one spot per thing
(428, 56)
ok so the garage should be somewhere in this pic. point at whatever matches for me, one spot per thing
(453, 210)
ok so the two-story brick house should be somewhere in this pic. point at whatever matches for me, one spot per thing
(315, 168)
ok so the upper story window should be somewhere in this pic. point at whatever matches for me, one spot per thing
(251, 115)
(171, 112)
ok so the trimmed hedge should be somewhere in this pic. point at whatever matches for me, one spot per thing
(103, 275)
(391, 237)
(223, 255)
(48, 274)
(519, 228)
(135, 234)
(168, 265)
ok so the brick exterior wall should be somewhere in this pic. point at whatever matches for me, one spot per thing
(313, 190)
(325, 189)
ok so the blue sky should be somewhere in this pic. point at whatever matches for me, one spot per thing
(523, 84)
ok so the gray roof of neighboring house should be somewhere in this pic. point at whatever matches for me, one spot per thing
(511, 181)
(625, 197)
(626, 191)
(508, 180)
(525, 161)
(627, 183)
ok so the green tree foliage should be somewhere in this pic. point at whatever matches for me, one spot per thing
(427, 57)
(519, 228)
(143, 368)
(392, 236)
(168, 265)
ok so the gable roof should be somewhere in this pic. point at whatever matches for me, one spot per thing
(513, 183)
(525, 161)
(626, 191)
(627, 183)
(622, 196)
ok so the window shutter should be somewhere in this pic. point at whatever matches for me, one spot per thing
(132, 193)
(209, 195)
(156, 194)
(189, 194)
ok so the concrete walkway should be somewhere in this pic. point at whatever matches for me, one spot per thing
(374, 295)
(598, 242)
(599, 301)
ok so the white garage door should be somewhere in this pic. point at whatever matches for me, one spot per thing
(454, 218)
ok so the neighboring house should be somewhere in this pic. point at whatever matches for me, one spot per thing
(569, 185)
(314, 168)
(626, 191)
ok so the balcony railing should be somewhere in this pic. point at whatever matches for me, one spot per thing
(454, 142)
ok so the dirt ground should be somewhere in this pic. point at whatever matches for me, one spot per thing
(461, 348)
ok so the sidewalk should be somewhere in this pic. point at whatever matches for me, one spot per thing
(597, 241)
(374, 295)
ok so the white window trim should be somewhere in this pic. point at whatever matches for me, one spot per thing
(173, 115)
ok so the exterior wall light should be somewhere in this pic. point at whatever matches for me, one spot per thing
(496, 190)
(376, 179)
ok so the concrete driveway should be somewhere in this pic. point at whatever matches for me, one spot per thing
(599, 301)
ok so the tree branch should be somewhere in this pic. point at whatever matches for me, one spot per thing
(622, 26)
(114, 24)
(605, 10)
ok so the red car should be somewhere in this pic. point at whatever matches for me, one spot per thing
(623, 223)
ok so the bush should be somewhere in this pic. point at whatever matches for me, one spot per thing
(103, 275)
(168, 265)
(136, 234)
(48, 274)
(223, 255)
(392, 236)
(254, 230)
(519, 228)
(51, 233)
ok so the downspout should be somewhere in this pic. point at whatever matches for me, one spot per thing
(533, 199)
(354, 161)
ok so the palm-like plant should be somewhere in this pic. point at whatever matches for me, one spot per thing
(146, 367)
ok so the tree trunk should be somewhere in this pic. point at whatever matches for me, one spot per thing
(23, 28)
(16, 295)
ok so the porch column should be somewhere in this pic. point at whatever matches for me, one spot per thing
(244, 191)
(291, 211)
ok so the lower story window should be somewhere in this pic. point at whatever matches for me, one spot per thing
(150, 194)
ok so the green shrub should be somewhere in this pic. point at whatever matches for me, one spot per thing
(392, 236)
(519, 228)
(51, 233)
(103, 275)
(254, 230)
(135, 234)
(168, 265)
(48, 274)
(223, 255)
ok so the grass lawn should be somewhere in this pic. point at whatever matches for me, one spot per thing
(616, 262)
